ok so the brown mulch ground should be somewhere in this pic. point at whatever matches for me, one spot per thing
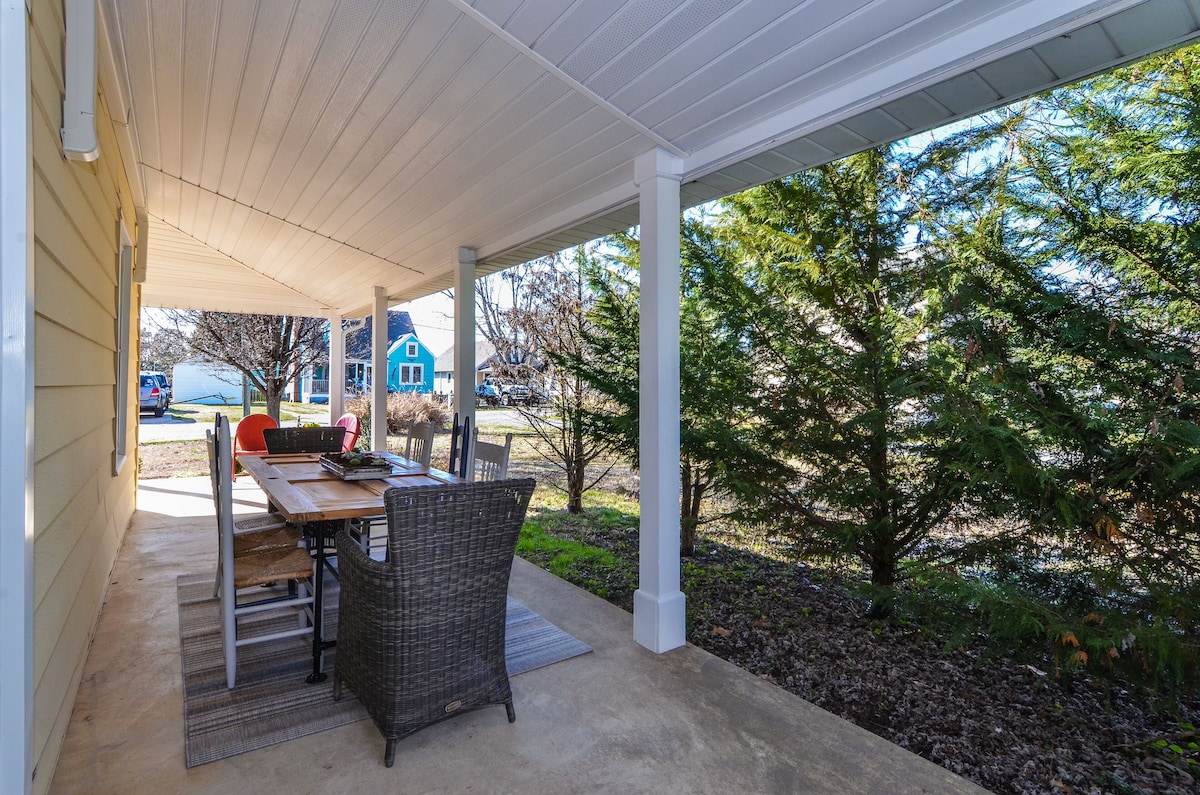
(998, 722)
(1001, 723)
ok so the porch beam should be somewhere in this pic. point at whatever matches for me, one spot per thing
(337, 367)
(658, 604)
(379, 373)
(464, 335)
(16, 403)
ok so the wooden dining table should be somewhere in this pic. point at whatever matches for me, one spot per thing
(309, 495)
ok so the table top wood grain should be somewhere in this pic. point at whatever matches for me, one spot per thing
(304, 491)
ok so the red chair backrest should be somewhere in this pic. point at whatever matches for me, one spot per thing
(249, 432)
(353, 426)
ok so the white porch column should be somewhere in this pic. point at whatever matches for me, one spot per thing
(379, 370)
(337, 367)
(464, 335)
(658, 604)
(16, 404)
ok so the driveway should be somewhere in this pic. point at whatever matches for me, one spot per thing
(168, 429)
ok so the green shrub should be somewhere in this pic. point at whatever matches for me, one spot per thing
(1149, 650)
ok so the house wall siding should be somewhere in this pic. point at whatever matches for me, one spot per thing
(81, 509)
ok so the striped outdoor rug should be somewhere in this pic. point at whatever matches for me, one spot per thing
(272, 702)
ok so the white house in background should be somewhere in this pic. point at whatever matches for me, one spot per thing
(206, 383)
(443, 368)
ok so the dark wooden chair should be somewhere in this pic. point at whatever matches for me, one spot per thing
(318, 439)
(421, 635)
(460, 441)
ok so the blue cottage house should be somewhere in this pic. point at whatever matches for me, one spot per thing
(410, 365)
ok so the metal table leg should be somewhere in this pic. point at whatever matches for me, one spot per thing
(318, 533)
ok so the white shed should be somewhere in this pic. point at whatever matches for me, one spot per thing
(206, 383)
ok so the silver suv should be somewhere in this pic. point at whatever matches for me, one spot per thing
(154, 393)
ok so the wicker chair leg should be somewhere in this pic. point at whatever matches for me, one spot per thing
(389, 753)
(512, 713)
(337, 689)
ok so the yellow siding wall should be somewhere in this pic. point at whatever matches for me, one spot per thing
(81, 510)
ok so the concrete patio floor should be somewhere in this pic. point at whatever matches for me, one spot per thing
(621, 719)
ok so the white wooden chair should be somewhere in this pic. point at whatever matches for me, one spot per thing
(490, 461)
(243, 565)
(420, 449)
(420, 442)
(253, 531)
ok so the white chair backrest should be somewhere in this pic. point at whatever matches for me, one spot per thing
(420, 442)
(490, 460)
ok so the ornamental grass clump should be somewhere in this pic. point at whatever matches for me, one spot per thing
(402, 408)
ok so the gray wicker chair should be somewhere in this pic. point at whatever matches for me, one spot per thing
(421, 635)
(319, 439)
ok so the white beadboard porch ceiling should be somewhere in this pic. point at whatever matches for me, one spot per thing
(294, 154)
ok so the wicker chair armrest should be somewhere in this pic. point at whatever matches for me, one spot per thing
(356, 568)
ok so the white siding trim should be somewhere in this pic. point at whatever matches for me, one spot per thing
(16, 403)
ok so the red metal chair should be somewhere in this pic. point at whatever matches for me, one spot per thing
(353, 427)
(248, 439)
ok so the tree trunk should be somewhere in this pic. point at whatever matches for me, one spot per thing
(574, 490)
(693, 487)
(883, 568)
(576, 472)
(274, 398)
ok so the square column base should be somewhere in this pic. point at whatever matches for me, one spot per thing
(659, 622)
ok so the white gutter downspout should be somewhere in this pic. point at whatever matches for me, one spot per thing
(79, 101)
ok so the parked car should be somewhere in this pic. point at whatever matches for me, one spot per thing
(486, 394)
(163, 384)
(152, 395)
(507, 393)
